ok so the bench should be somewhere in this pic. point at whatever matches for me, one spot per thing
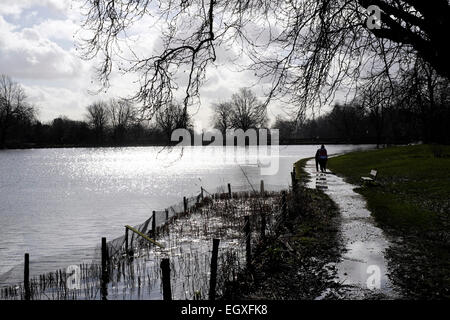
(373, 176)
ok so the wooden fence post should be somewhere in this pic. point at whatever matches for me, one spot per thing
(263, 216)
(167, 214)
(201, 193)
(229, 190)
(185, 205)
(104, 277)
(294, 181)
(26, 277)
(213, 278)
(154, 223)
(126, 240)
(165, 268)
(263, 224)
(247, 231)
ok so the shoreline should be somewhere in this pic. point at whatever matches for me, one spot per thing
(365, 243)
(297, 262)
(185, 233)
(108, 146)
(408, 202)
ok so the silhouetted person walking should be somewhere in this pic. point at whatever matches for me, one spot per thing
(317, 160)
(323, 158)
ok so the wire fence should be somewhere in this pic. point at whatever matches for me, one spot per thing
(239, 217)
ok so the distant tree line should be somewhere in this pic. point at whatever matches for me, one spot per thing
(415, 108)
(16, 114)
(386, 111)
(116, 122)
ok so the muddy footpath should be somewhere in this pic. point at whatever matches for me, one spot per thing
(331, 247)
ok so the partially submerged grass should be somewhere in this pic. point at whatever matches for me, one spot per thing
(411, 201)
(134, 272)
(300, 171)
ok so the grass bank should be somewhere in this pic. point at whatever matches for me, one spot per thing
(294, 262)
(413, 185)
(301, 175)
(411, 201)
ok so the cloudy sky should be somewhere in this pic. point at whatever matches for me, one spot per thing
(38, 50)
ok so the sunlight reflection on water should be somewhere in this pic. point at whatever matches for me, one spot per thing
(57, 201)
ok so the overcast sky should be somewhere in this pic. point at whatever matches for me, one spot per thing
(37, 49)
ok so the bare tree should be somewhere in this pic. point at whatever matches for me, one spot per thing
(247, 112)
(121, 114)
(13, 106)
(306, 49)
(423, 90)
(375, 98)
(286, 127)
(347, 120)
(97, 117)
(222, 117)
(173, 117)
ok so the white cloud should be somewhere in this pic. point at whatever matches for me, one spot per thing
(30, 53)
(37, 50)
(57, 29)
(16, 7)
(53, 102)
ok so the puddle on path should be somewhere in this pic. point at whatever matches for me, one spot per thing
(365, 244)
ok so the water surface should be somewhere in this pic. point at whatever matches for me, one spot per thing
(56, 204)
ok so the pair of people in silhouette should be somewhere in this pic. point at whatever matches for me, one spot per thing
(321, 159)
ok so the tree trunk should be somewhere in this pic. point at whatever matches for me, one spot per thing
(3, 136)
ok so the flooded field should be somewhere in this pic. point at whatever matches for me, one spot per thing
(186, 239)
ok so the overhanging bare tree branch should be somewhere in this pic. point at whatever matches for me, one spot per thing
(304, 50)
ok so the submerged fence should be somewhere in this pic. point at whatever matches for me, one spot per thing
(201, 244)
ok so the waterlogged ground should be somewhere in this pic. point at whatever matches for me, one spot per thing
(363, 266)
(186, 241)
(297, 261)
(56, 204)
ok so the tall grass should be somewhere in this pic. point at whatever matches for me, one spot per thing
(134, 272)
